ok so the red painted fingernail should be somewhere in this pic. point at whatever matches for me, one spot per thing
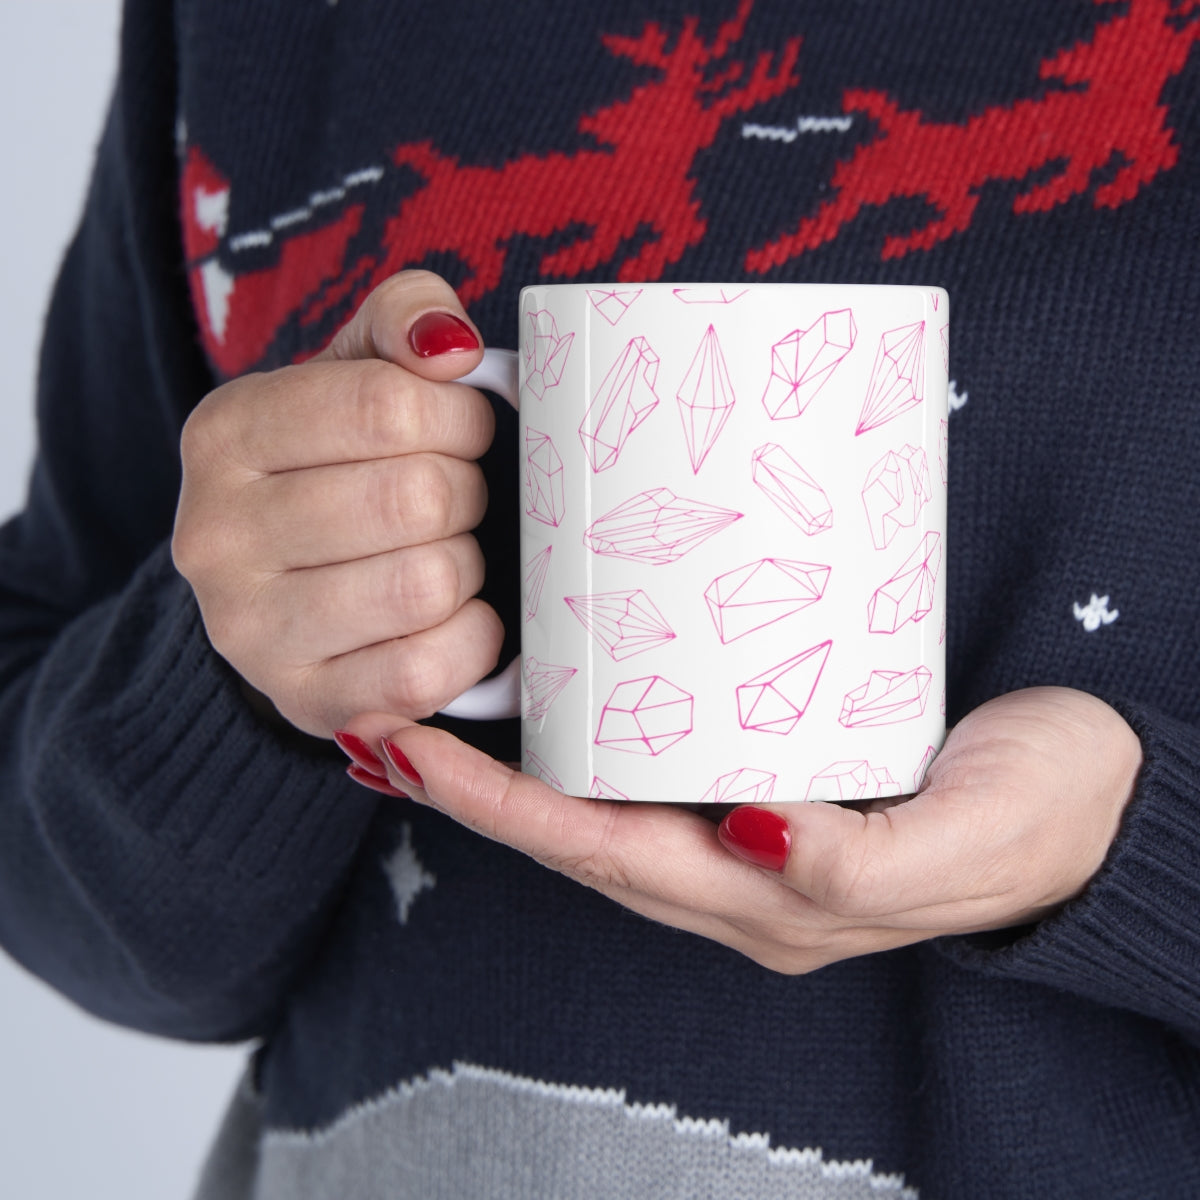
(374, 782)
(399, 761)
(359, 752)
(760, 837)
(437, 333)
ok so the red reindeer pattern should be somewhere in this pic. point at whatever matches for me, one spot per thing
(640, 178)
(632, 191)
(1109, 109)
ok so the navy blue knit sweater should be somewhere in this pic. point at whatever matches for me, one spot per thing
(438, 1015)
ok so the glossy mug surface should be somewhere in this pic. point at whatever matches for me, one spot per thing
(733, 528)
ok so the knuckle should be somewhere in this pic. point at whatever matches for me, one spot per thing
(415, 680)
(381, 409)
(428, 587)
(420, 502)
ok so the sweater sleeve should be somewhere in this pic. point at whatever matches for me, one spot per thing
(166, 860)
(1131, 940)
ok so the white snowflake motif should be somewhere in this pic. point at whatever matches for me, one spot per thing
(406, 874)
(956, 399)
(1096, 613)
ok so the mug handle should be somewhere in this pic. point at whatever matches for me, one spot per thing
(499, 696)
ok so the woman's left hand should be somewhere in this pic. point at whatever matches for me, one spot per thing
(1016, 814)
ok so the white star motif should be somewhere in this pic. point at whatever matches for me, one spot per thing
(406, 874)
(1096, 613)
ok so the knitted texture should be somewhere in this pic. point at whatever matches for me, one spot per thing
(171, 862)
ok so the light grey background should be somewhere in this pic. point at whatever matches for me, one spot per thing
(86, 1110)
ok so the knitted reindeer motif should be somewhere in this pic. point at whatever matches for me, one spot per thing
(647, 146)
(1107, 111)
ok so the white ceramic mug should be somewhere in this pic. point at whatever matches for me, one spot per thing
(733, 532)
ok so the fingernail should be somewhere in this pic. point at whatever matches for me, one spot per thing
(437, 333)
(374, 782)
(359, 752)
(400, 763)
(760, 837)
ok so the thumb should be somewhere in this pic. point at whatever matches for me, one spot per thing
(415, 320)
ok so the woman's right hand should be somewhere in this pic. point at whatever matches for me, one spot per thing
(325, 515)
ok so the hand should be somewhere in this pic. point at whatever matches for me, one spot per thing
(324, 517)
(1015, 816)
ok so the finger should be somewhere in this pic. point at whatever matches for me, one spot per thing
(913, 864)
(413, 677)
(335, 412)
(655, 858)
(335, 610)
(336, 514)
(415, 320)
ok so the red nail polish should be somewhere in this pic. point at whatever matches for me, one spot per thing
(436, 333)
(374, 782)
(760, 837)
(399, 761)
(359, 752)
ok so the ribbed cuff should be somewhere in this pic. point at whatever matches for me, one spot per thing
(1132, 939)
(160, 728)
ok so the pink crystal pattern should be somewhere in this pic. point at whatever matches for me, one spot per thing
(624, 623)
(774, 701)
(624, 399)
(944, 450)
(613, 303)
(534, 581)
(802, 363)
(791, 489)
(908, 595)
(896, 489)
(945, 337)
(537, 767)
(887, 698)
(926, 762)
(604, 791)
(709, 295)
(852, 780)
(897, 378)
(761, 593)
(545, 353)
(747, 786)
(656, 527)
(543, 479)
(541, 685)
(705, 399)
(645, 716)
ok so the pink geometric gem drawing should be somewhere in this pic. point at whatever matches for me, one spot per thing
(656, 527)
(695, 295)
(747, 786)
(612, 304)
(775, 700)
(645, 716)
(537, 767)
(761, 593)
(791, 489)
(705, 399)
(887, 698)
(919, 776)
(624, 623)
(943, 450)
(534, 581)
(897, 378)
(604, 791)
(540, 686)
(802, 363)
(853, 781)
(945, 334)
(908, 595)
(543, 479)
(624, 399)
(545, 353)
(896, 489)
